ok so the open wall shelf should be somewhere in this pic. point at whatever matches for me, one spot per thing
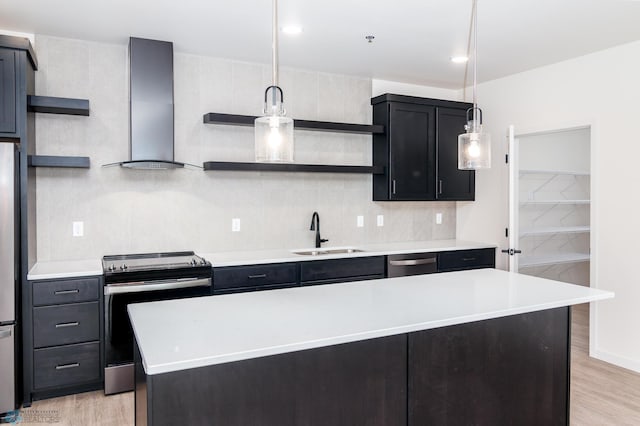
(553, 259)
(552, 230)
(287, 167)
(58, 161)
(327, 126)
(51, 105)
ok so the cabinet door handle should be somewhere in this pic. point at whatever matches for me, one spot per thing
(58, 292)
(65, 366)
(251, 277)
(468, 259)
(440, 186)
(67, 324)
(393, 186)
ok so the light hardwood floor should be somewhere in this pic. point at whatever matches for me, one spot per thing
(601, 394)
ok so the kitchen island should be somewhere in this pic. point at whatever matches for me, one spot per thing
(481, 347)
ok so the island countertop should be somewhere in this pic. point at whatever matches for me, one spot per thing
(189, 333)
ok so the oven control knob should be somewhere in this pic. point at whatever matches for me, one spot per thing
(124, 267)
(203, 261)
(193, 262)
(112, 267)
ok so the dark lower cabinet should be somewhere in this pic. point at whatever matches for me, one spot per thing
(341, 270)
(504, 371)
(237, 279)
(7, 91)
(62, 339)
(461, 260)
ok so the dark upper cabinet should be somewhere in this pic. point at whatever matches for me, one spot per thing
(419, 150)
(452, 183)
(7, 91)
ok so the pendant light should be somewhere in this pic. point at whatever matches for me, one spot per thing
(474, 146)
(274, 131)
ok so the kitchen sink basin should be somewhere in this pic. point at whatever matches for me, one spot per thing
(320, 251)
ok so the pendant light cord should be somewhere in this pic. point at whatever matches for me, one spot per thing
(274, 43)
(473, 31)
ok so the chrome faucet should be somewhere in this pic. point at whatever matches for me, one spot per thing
(315, 226)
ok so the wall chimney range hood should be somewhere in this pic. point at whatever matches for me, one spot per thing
(151, 116)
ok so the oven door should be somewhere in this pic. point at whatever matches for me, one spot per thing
(118, 331)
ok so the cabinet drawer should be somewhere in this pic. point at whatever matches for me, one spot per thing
(466, 259)
(67, 291)
(321, 270)
(68, 365)
(65, 324)
(254, 276)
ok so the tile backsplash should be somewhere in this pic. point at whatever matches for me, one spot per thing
(131, 211)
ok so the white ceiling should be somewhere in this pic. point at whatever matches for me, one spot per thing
(413, 38)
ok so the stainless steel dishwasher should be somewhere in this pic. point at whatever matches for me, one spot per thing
(400, 265)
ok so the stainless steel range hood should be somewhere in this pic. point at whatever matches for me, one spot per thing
(151, 116)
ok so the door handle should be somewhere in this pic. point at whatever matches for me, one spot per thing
(393, 186)
(251, 277)
(440, 186)
(412, 262)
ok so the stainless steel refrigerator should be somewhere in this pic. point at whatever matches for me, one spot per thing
(8, 275)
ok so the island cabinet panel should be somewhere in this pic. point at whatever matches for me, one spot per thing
(361, 383)
(505, 371)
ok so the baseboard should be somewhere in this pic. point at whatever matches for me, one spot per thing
(629, 364)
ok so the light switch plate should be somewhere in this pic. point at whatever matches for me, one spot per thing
(360, 221)
(439, 218)
(78, 229)
(235, 224)
(380, 220)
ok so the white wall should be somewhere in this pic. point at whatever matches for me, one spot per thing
(600, 90)
(129, 211)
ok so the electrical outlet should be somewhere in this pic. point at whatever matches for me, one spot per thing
(235, 224)
(438, 218)
(360, 221)
(78, 229)
(380, 220)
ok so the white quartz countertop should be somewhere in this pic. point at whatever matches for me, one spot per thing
(65, 269)
(188, 333)
(239, 258)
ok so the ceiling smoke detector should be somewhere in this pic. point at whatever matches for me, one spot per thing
(369, 38)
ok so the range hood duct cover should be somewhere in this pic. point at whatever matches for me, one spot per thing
(151, 115)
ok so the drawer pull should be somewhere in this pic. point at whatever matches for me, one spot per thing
(257, 276)
(468, 259)
(412, 262)
(59, 292)
(65, 366)
(67, 324)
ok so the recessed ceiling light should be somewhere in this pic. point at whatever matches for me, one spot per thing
(459, 59)
(292, 30)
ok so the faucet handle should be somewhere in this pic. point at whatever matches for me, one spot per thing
(322, 240)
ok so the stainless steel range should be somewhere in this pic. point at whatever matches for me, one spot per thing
(136, 278)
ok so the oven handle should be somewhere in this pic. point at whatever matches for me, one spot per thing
(137, 287)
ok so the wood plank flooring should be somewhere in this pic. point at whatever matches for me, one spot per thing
(601, 394)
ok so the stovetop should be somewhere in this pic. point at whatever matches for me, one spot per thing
(157, 265)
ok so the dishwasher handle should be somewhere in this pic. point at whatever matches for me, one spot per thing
(412, 262)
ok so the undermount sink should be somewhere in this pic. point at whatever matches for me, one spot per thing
(320, 251)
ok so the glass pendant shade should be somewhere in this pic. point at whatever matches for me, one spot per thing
(274, 131)
(274, 139)
(474, 148)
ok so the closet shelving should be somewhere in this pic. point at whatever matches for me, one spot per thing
(552, 200)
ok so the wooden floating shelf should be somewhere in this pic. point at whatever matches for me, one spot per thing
(58, 161)
(51, 105)
(327, 126)
(288, 167)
